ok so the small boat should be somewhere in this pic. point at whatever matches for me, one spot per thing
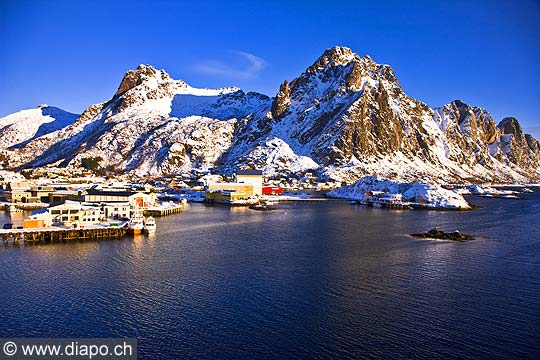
(265, 206)
(150, 225)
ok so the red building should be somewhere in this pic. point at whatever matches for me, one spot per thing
(272, 190)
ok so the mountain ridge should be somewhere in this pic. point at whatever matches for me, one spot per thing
(344, 117)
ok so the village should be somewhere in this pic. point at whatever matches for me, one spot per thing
(89, 202)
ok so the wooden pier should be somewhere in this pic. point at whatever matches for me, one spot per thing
(157, 212)
(48, 235)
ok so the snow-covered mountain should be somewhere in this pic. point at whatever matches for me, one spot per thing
(23, 126)
(344, 117)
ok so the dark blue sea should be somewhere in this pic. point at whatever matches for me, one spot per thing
(313, 279)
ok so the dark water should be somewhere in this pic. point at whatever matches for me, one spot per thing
(311, 280)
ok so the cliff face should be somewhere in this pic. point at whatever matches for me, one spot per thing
(518, 148)
(344, 117)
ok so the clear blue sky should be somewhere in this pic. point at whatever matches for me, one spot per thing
(71, 54)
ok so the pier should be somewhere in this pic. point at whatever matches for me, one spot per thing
(48, 235)
(163, 211)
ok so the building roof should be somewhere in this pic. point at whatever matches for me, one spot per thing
(64, 192)
(21, 185)
(39, 211)
(249, 172)
(109, 193)
(67, 204)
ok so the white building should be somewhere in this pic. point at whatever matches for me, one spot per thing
(75, 214)
(252, 177)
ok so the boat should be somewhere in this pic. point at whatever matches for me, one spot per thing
(136, 224)
(264, 206)
(150, 225)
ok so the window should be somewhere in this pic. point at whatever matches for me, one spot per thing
(55, 212)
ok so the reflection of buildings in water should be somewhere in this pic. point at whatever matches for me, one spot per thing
(239, 209)
(142, 242)
(138, 240)
(17, 218)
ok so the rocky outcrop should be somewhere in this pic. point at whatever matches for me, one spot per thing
(435, 233)
(281, 101)
(470, 134)
(136, 77)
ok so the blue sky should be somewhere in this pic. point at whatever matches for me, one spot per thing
(71, 54)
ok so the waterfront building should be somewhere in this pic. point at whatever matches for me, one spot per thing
(40, 218)
(18, 192)
(75, 214)
(272, 190)
(252, 177)
(225, 195)
(117, 210)
(142, 200)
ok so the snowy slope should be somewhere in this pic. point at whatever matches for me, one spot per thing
(153, 125)
(26, 125)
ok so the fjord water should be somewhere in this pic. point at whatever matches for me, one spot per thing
(318, 279)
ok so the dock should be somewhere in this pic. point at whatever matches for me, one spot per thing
(49, 235)
(163, 211)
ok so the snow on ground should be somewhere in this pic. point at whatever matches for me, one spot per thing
(476, 189)
(10, 176)
(430, 195)
(274, 156)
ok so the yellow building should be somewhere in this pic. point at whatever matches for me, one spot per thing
(248, 183)
(246, 189)
(225, 196)
(18, 192)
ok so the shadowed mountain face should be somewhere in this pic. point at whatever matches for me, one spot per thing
(344, 117)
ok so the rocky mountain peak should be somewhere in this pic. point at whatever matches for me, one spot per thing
(337, 55)
(336, 52)
(142, 73)
(511, 126)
